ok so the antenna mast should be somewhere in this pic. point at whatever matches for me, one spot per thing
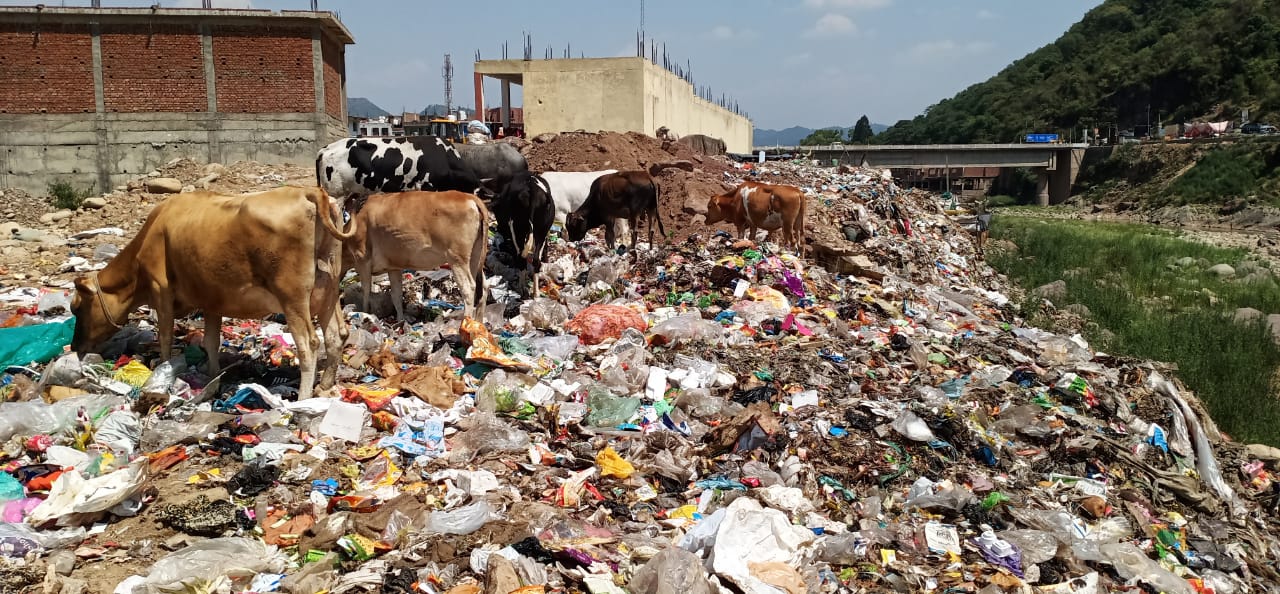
(448, 84)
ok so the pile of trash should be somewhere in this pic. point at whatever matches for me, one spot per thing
(695, 417)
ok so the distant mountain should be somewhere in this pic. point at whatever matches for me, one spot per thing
(793, 135)
(435, 109)
(1126, 64)
(359, 107)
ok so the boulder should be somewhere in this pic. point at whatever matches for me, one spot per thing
(53, 217)
(1247, 314)
(1185, 262)
(95, 203)
(695, 205)
(8, 229)
(188, 188)
(1079, 309)
(1056, 290)
(164, 185)
(1222, 270)
(214, 169)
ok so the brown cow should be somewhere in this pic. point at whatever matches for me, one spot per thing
(420, 231)
(755, 205)
(245, 256)
(613, 196)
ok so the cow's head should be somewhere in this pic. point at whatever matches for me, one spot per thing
(93, 326)
(576, 225)
(517, 207)
(718, 208)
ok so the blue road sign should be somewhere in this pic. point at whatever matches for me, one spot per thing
(1042, 138)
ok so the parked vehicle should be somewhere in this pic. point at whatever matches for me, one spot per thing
(1257, 128)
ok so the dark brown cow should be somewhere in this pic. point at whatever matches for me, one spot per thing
(755, 205)
(622, 195)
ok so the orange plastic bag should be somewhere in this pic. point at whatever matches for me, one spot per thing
(598, 323)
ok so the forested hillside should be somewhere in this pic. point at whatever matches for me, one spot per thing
(1182, 59)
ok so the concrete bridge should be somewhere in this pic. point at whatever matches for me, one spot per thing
(1056, 165)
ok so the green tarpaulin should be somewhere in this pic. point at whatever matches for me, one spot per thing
(39, 344)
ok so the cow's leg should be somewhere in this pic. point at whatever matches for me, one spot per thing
(365, 270)
(213, 340)
(466, 285)
(164, 322)
(335, 329)
(610, 234)
(298, 315)
(633, 223)
(397, 293)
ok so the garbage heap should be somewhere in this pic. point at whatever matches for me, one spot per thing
(705, 416)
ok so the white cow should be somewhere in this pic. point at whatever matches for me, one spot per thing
(569, 190)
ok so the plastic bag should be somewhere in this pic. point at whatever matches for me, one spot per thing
(688, 328)
(10, 488)
(611, 464)
(121, 432)
(35, 416)
(38, 344)
(1130, 562)
(560, 348)
(408, 348)
(608, 410)
(503, 392)
(72, 494)
(544, 313)
(211, 559)
(489, 434)
(912, 427)
(64, 371)
(673, 571)
(1037, 546)
(598, 323)
(463, 520)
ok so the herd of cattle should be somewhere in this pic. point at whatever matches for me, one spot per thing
(416, 203)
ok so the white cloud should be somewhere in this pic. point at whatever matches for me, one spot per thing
(727, 32)
(987, 15)
(946, 48)
(847, 4)
(216, 4)
(832, 25)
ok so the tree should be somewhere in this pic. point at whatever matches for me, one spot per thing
(861, 132)
(821, 137)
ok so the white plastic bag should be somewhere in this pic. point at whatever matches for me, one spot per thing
(72, 494)
(463, 520)
(213, 559)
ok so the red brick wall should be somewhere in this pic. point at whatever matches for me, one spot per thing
(263, 70)
(333, 66)
(153, 69)
(51, 75)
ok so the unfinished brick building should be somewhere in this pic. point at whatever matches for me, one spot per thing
(102, 95)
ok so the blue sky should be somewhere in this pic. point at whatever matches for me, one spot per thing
(787, 62)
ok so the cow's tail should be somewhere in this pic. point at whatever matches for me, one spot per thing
(654, 210)
(479, 252)
(324, 210)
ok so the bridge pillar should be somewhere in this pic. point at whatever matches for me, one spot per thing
(1042, 186)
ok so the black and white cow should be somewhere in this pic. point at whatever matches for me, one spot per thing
(524, 212)
(357, 167)
(494, 164)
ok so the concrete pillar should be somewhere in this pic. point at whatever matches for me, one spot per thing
(506, 105)
(479, 81)
(317, 71)
(1042, 187)
(102, 162)
(211, 91)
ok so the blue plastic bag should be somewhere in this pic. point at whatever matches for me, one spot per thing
(39, 344)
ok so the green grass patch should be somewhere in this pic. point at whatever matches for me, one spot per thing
(1002, 201)
(1152, 291)
(1239, 171)
(65, 195)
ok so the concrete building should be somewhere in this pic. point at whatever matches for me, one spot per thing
(102, 95)
(614, 94)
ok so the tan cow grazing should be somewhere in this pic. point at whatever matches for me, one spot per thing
(755, 205)
(420, 231)
(245, 257)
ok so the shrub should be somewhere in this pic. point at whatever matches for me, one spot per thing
(65, 195)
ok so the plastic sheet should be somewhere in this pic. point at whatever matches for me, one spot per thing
(463, 520)
(688, 328)
(544, 313)
(208, 560)
(38, 344)
(673, 571)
